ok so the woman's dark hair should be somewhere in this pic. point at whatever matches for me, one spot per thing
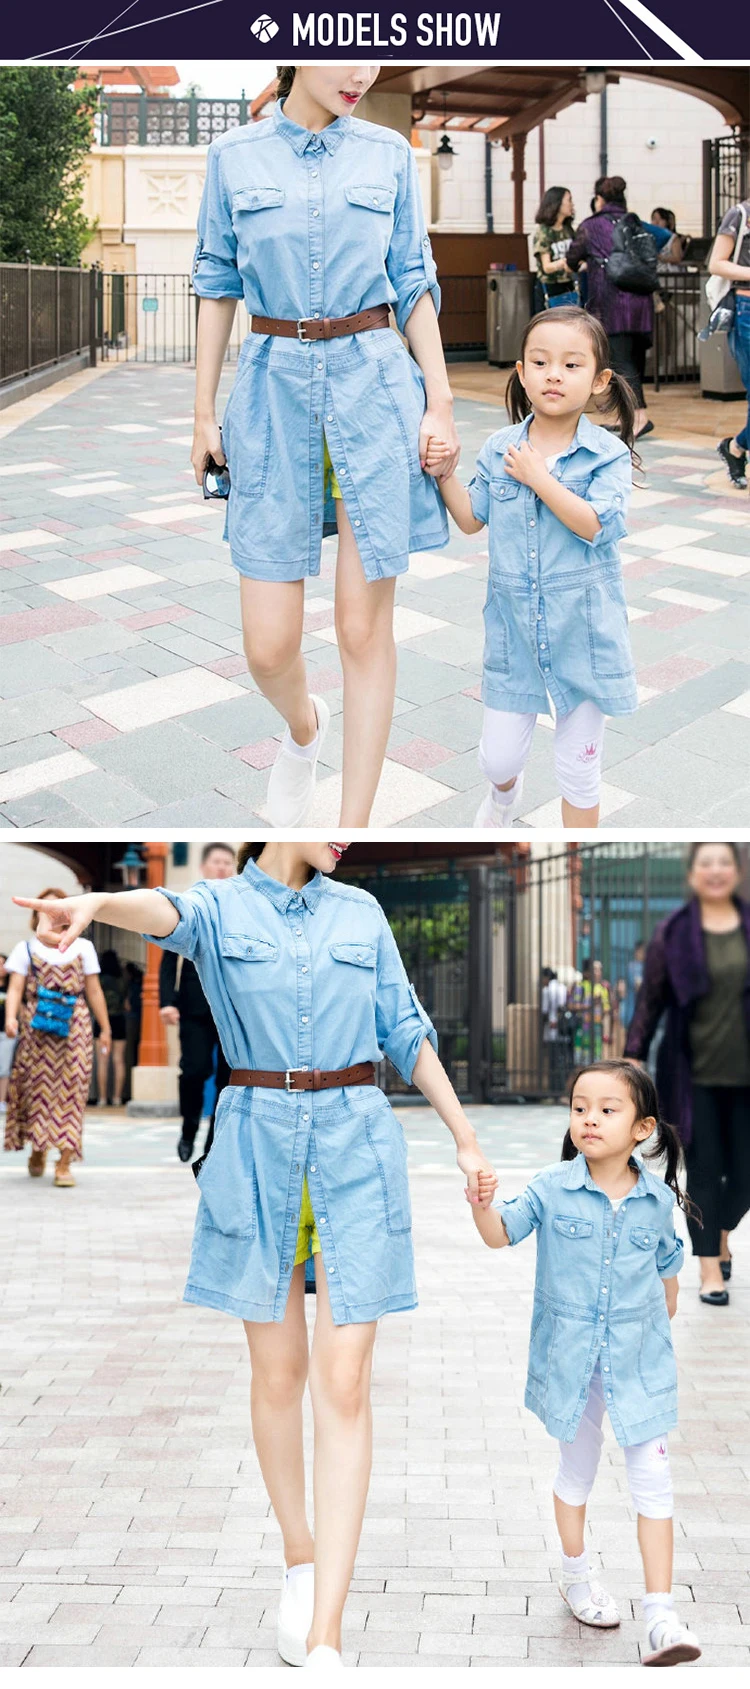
(110, 964)
(618, 398)
(612, 190)
(668, 217)
(666, 1143)
(285, 75)
(549, 207)
(49, 891)
(247, 853)
(729, 844)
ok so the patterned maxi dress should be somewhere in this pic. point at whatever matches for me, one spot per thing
(50, 1081)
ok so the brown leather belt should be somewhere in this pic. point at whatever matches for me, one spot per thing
(321, 328)
(304, 1078)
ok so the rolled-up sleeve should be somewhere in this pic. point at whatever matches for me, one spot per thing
(195, 926)
(215, 272)
(478, 488)
(410, 265)
(670, 1250)
(401, 1023)
(521, 1215)
(609, 495)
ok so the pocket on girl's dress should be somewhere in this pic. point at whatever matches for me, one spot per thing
(497, 637)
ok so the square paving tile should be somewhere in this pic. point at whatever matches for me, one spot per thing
(160, 699)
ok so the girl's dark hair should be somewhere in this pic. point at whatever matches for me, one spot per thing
(729, 844)
(666, 1142)
(285, 77)
(247, 853)
(549, 207)
(612, 190)
(618, 399)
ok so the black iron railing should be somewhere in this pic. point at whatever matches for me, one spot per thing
(152, 318)
(148, 120)
(45, 317)
(677, 318)
(726, 176)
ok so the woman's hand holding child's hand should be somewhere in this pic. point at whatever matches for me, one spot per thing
(435, 457)
(487, 1187)
(524, 463)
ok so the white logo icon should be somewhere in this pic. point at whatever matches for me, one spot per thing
(264, 28)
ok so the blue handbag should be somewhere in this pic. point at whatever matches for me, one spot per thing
(54, 1009)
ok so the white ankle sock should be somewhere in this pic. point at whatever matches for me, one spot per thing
(505, 798)
(307, 752)
(577, 1566)
(655, 1604)
(293, 1572)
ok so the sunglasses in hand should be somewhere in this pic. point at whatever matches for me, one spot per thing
(216, 479)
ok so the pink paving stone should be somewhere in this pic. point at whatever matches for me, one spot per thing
(420, 754)
(260, 755)
(642, 566)
(672, 673)
(114, 551)
(315, 619)
(673, 615)
(30, 624)
(326, 680)
(82, 733)
(228, 666)
(154, 618)
(54, 525)
(13, 559)
(473, 692)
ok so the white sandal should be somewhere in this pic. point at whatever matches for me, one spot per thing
(595, 1607)
(671, 1642)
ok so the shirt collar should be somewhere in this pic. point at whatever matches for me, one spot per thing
(578, 1176)
(280, 895)
(302, 139)
(586, 435)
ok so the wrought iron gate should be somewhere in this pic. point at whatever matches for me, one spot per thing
(148, 317)
(726, 176)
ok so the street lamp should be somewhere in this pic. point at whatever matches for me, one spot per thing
(445, 153)
(131, 867)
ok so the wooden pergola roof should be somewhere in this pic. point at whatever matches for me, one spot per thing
(508, 100)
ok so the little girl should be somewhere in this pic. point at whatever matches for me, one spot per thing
(554, 489)
(600, 1335)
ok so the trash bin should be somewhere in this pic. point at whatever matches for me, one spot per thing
(720, 377)
(508, 311)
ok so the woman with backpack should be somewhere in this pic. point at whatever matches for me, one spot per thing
(730, 260)
(626, 313)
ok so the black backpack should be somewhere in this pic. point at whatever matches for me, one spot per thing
(632, 263)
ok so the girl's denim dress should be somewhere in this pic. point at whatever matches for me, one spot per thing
(320, 225)
(599, 1299)
(301, 980)
(555, 617)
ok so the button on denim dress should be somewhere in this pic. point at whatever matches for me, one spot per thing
(301, 980)
(555, 617)
(599, 1300)
(305, 225)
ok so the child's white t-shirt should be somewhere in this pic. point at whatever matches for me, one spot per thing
(18, 960)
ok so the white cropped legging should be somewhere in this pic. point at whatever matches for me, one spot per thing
(647, 1464)
(579, 738)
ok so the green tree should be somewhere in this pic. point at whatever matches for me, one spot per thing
(46, 129)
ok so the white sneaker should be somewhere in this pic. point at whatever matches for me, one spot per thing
(593, 1605)
(292, 783)
(295, 1614)
(669, 1642)
(493, 813)
(324, 1659)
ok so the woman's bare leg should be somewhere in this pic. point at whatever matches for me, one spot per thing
(364, 629)
(272, 620)
(102, 1072)
(118, 1069)
(279, 1360)
(340, 1372)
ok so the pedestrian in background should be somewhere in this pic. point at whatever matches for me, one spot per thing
(185, 1005)
(592, 1006)
(51, 1074)
(7, 1045)
(628, 317)
(133, 1009)
(114, 987)
(633, 981)
(554, 1030)
(697, 974)
(554, 233)
(730, 259)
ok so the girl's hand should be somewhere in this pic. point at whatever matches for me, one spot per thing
(440, 424)
(475, 1165)
(671, 1292)
(436, 453)
(206, 443)
(524, 463)
(67, 915)
(11, 1026)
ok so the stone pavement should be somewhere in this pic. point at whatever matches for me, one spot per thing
(135, 1530)
(125, 696)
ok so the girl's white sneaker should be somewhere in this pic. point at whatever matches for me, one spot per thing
(295, 1614)
(492, 813)
(593, 1605)
(669, 1643)
(323, 1658)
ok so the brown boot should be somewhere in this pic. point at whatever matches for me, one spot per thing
(37, 1163)
(63, 1175)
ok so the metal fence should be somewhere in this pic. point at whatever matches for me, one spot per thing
(45, 317)
(726, 176)
(152, 318)
(143, 120)
(475, 940)
(674, 356)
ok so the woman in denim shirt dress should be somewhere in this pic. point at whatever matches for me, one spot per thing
(314, 214)
(302, 973)
(605, 1292)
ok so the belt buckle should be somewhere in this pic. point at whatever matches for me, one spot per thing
(301, 330)
(289, 1073)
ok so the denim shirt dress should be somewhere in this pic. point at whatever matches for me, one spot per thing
(320, 225)
(599, 1300)
(555, 616)
(301, 980)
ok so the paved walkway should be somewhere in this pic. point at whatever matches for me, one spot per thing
(125, 695)
(135, 1530)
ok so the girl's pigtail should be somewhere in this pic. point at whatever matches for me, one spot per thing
(569, 1151)
(517, 402)
(667, 1145)
(620, 400)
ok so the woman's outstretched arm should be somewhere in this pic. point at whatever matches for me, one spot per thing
(132, 911)
(431, 1079)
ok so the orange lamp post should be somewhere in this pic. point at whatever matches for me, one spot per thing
(153, 1046)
